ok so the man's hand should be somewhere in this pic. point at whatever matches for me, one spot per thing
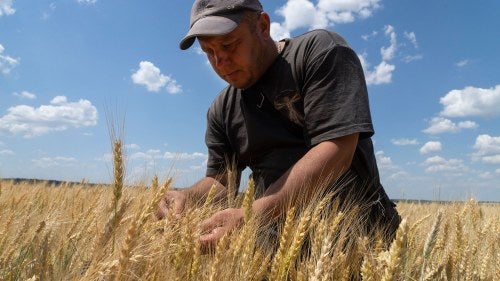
(214, 228)
(174, 200)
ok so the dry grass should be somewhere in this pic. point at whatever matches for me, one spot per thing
(64, 233)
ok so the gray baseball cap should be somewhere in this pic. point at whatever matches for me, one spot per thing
(216, 17)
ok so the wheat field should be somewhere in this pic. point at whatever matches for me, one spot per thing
(110, 232)
(73, 233)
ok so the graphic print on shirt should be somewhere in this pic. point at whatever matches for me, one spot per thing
(288, 103)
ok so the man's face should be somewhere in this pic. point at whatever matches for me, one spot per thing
(237, 57)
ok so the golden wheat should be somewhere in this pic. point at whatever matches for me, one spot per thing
(63, 233)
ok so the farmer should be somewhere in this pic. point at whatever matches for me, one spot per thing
(295, 112)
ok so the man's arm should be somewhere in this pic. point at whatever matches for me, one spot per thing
(328, 159)
(177, 198)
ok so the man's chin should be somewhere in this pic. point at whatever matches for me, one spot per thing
(239, 84)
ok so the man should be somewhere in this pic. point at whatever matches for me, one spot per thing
(296, 112)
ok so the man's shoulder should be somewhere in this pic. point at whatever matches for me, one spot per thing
(320, 37)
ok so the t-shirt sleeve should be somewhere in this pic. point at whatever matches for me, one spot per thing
(216, 141)
(335, 96)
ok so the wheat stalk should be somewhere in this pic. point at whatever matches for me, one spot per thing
(397, 253)
(283, 243)
(430, 242)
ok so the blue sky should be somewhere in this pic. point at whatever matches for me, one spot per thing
(70, 68)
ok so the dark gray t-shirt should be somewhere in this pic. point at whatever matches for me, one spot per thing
(314, 91)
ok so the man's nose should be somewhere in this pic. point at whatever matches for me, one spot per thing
(221, 58)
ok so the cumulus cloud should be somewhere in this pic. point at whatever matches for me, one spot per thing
(471, 101)
(431, 146)
(87, 1)
(6, 152)
(488, 149)
(389, 52)
(6, 8)
(58, 116)
(150, 76)
(439, 125)
(150, 154)
(184, 155)
(302, 14)
(25, 95)
(382, 74)
(439, 164)
(341, 11)
(462, 63)
(410, 58)
(305, 14)
(7, 63)
(278, 31)
(412, 38)
(366, 37)
(404, 141)
(155, 154)
(54, 161)
(384, 162)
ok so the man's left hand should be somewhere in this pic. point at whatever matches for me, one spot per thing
(215, 227)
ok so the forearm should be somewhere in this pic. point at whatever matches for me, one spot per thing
(199, 191)
(311, 175)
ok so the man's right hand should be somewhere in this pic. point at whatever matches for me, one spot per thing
(173, 200)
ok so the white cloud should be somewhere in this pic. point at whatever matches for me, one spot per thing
(278, 31)
(382, 74)
(388, 53)
(150, 76)
(410, 58)
(87, 1)
(404, 141)
(7, 63)
(45, 162)
(412, 38)
(6, 152)
(343, 11)
(431, 146)
(471, 101)
(305, 14)
(184, 155)
(150, 154)
(440, 125)
(462, 63)
(46, 15)
(58, 116)
(384, 162)
(367, 37)
(302, 14)
(25, 95)
(488, 149)
(6, 8)
(439, 164)
(132, 146)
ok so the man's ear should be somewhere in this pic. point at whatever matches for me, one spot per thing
(264, 25)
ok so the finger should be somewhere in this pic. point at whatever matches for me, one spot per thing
(210, 224)
(162, 210)
(209, 241)
(178, 207)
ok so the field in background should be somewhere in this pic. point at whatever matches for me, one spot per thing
(74, 233)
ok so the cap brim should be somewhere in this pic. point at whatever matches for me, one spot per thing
(210, 26)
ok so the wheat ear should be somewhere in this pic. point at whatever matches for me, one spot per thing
(296, 244)
(397, 253)
(430, 242)
(284, 243)
(248, 200)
